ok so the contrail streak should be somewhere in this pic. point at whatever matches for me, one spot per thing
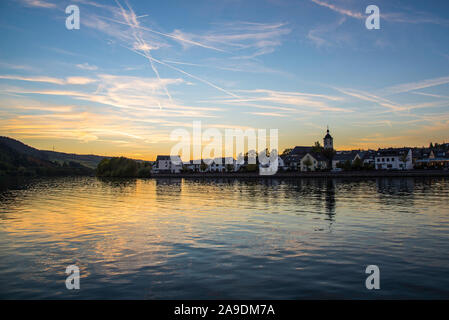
(170, 36)
(134, 25)
(142, 42)
(186, 73)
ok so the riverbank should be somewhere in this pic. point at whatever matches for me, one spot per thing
(300, 175)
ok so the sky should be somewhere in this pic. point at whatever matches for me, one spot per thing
(137, 70)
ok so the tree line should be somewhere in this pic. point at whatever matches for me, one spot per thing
(122, 167)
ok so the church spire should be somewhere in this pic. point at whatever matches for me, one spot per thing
(328, 141)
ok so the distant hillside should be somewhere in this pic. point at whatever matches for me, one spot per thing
(87, 160)
(18, 159)
(20, 147)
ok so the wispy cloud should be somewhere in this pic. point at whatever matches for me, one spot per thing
(268, 114)
(431, 95)
(16, 66)
(406, 87)
(371, 98)
(254, 39)
(57, 109)
(247, 40)
(285, 103)
(86, 66)
(100, 24)
(38, 3)
(34, 79)
(400, 17)
(324, 35)
(68, 80)
(79, 80)
(346, 12)
(123, 92)
(189, 74)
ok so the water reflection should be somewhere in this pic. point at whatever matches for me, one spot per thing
(330, 198)
(223, 238)
(395, 185)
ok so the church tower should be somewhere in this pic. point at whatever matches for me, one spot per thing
(328, 141)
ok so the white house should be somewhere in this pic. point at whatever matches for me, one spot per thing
(192, 166)
(209, 165)
(393, 159)
(221, 165)
(313, 161)
(168, 164)
(271, 168)
(282, 166)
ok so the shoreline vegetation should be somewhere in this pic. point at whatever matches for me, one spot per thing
(123, 168)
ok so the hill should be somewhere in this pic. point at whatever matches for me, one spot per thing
(87, 160)
(19, 159)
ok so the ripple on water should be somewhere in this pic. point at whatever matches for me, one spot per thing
(176, 238)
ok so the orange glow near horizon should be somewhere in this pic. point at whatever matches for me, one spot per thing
(149, 152)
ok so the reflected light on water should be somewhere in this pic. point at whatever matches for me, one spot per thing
(224, 238)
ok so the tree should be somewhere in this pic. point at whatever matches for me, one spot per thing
(329, 155)
(250, 155)
(144, 172)
(347, 165)
(317, 148)
(117, 167)
(307, 163)
(251, 167)
(368, 166)
(287, 152)
(404, 159)
(357, 164)
(185, 168)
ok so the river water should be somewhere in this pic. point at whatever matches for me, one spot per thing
(225, 239)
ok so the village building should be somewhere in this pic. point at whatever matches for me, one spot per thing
(313, 161)
(343, 157)
(167, 164)
(303, 158)
(191, 166)
(316, 158)
(393, 159)
(328, 141)
(226, 164)
(368, 158)
(435, 159)
(267, 169)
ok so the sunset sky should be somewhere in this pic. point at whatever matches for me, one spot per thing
(137, 70)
